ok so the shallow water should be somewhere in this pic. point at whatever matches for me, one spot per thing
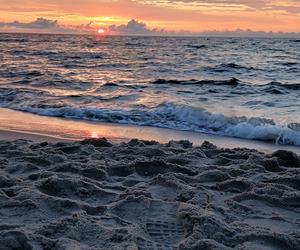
(15, 125)
(246, 88)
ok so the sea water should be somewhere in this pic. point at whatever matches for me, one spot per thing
(239, 87)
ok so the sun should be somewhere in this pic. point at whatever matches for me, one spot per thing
(94, 134)
(101, 31)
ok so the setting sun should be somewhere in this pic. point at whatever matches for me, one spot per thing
(101, 31)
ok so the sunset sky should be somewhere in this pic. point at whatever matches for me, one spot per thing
(175, 15)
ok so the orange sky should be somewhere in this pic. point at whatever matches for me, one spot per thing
(191, 15)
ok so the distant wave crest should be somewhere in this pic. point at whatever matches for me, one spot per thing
(271, 88)
(230, 82)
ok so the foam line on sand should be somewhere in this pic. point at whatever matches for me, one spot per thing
(16, 125)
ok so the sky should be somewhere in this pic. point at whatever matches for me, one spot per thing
(149, 16)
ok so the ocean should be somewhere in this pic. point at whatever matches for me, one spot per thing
(239, 87)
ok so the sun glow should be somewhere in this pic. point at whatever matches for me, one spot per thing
(94, 134)
(101, 31)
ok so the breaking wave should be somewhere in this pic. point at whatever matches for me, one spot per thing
(180, 117)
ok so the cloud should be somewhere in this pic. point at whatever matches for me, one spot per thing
(248, 33)
(257, 4)
(134, 27)
(193, 15)
(75, 6)
(38, 24)
(43, 25)
(288, 6)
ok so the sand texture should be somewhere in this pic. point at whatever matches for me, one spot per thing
(145, 195)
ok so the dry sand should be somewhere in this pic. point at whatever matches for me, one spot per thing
(145, 195)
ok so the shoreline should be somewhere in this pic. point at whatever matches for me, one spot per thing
(11, 135)
(22, 125)
(59, 190)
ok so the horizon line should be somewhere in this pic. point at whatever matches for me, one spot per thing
(205, 34)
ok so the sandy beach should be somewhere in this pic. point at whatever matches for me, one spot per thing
(144, 135)
(94, 194)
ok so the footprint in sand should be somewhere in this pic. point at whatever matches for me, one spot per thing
(162, 235)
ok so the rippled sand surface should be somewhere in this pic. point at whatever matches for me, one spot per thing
(145, 195)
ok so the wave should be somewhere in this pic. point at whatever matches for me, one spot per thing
(295, 86)
(179, 117)
(230, 82)
(24, 74)
(224, 67)
(272, 87)
(202, 46)
(289, 64)
(232, 65)
(113, 85)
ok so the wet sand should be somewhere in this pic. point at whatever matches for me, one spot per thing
(15, 124)
(94, 194)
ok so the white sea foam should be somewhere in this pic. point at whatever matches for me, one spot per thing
(181, 117)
